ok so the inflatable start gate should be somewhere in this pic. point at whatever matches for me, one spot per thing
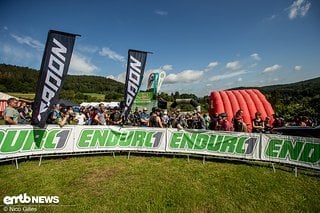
(250, 101)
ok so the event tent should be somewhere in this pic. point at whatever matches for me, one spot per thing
(3, 101)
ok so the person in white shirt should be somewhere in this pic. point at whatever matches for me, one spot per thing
(80, 118)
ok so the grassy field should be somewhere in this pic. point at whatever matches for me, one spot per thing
(28, 96)
(96, 95)
(160, 184)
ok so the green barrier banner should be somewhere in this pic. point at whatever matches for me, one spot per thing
(291, 150)
(115, 138)
(28, 140)
(224, 144)
(20, 141)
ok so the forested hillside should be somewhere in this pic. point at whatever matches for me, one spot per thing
(23, 79)
(290, 100)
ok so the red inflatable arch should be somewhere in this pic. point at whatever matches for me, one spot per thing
(250, 101)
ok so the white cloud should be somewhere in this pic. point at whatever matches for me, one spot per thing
(110, 76)
(185, 76)
(166, 67)
(29, 41)
(227, 75)
(273, 16)
(16, 55)
(297, 68)
(234, 65)
(211, 65)
(80, 65)
(161, 12)
(299, 8)
(87, 48)
(239, 79)
(255, 56)
(272, 68)
(5, 28)
(106, 51)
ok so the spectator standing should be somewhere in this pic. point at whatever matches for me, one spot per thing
(144, 118)
(278, 121)
(224, 124)
(100, 118)
(207, 120)
(54, 115)
(107, 116)
(72, 115)
(116, 116)
(11, 115)
(80, 118)
(258, 123)
(201, 121)
(63, 119)
(93, 116)
(89, 114)
(166, 119)
(238, 122)
(267, 126)
(131, 118)
(181, 121)
(136, 117)
(22, 113)
(303, 121)
(155, 119)
(214, 122)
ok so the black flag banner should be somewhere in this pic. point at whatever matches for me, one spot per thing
(135, 69)
(54, 68)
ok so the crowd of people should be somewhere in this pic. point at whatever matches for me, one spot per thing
(18, 112)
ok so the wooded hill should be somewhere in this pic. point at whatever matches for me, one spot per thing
(24, 80)
(289, 100)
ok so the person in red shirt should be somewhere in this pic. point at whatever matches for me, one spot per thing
(224, 124)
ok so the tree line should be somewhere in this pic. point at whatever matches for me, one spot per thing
(24, 80)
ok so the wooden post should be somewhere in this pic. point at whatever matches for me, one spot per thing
(40, 160)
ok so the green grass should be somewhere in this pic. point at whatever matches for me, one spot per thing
(29, 96)
(160, 184)
(96, 95)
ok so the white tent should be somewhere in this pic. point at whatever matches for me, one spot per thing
(96, 104)
(4, 96)
(3, 101)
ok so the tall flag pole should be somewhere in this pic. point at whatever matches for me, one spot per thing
(54, 67)
(135, 70)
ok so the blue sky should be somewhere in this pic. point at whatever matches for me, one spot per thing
(202, 45)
